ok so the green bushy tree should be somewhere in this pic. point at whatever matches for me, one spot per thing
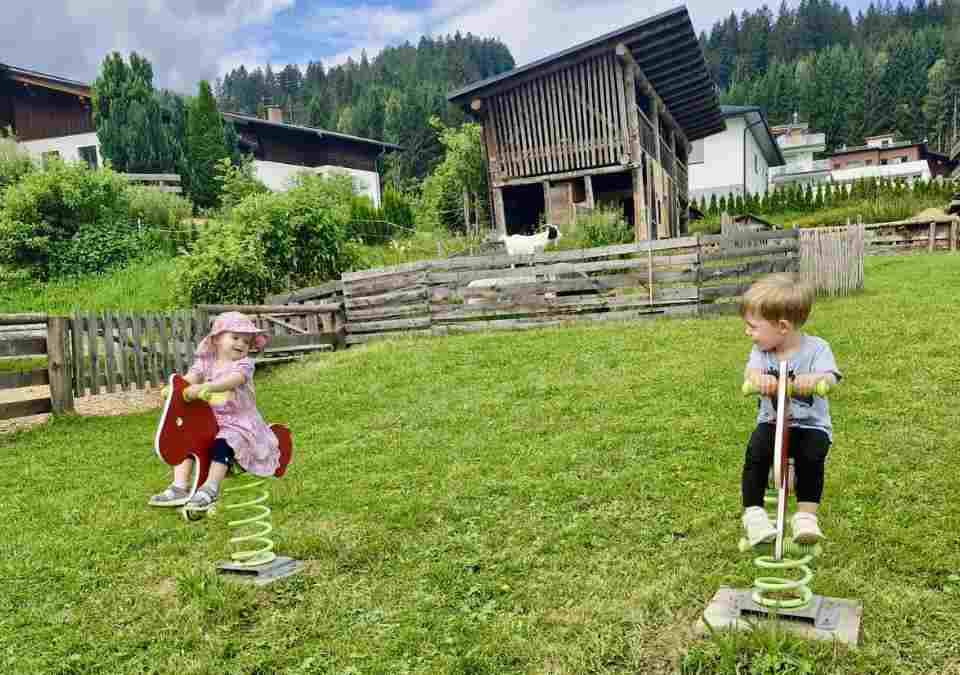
(205, 147)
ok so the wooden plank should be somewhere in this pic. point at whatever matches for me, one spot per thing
(570, 157)
(96, 365)
(125, 370)
(710, 293)
(285, 309)
(543, 120)
(166, 355)
(78, 357)
(724, 240)
(597, 106)
(521, 127)
(286, 343)
(36, 406)
(503, 136)
(555, 123)
(396, 324)
(514, 130)
(23, 320)
(398, 270)
(749, 253)
(621, 97)
(370, 287)
(320, 292)
(608, 110)
(530, 107)
(24, 347)
(589, 129)
(394, 297)
(110, 363)
(576, 112)
(153, 177)
(136, 328)
(385, 312)
(29, 378)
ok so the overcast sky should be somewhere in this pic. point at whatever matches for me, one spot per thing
(190, 40)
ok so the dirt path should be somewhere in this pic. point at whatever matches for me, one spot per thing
(119, 403)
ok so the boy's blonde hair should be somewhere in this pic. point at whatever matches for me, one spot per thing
(779, 296)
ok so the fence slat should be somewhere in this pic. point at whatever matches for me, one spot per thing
(58, 365)
(24, 347)
(92, 324)
(135, 328)
(28, 378)
(76, 335)
(110, 363)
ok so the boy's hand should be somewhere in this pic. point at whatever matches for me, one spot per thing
(766, 385)
(804, 385)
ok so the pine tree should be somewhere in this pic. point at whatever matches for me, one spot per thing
(205, 146)
(714, 206)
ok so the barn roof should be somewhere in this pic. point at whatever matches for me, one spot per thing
(45, 81)
(310, 131)
(667, 50)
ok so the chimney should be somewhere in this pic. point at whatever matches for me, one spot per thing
(275, 114)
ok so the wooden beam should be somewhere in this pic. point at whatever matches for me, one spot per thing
(626, 56)
(499, 216)
(588, 189)
(565, 175)
(641, 228)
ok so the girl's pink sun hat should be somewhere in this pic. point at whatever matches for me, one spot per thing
(232, 322)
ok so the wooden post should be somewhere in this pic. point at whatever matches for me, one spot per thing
(953, 235)
(466, 210)
(630, 95)
(588, 189)
(59, 366)
(933, 236)
(641, 226)
(498, 213)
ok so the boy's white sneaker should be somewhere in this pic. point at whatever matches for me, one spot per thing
(757, 524)
(805, 528)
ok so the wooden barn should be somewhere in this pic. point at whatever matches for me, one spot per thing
(609, 121)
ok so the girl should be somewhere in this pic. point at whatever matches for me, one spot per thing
(221, 364)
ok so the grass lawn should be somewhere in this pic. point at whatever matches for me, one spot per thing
(564, 501)
(145, 285)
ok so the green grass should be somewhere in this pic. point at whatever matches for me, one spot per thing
(564, 501)
(143, 285)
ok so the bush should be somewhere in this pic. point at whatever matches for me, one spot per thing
(271, 241)
(163, 216)
(15, 163)
(42, 213)
(237, 182)
(603, 227)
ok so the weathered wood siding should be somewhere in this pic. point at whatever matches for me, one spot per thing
(567, 120)
(40, 113)
(288, 147)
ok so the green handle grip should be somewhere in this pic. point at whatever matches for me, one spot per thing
(211, 397)
(821, 389)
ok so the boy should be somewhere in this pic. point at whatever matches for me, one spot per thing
(773, 311)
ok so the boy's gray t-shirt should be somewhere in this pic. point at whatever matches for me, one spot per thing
(814, 356)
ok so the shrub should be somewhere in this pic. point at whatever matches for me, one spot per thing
(42, 213)
(162, 216)
(237, 182)
(604, 226)
(271, 241)
(15, 163)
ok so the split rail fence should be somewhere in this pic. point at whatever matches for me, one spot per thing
(903, 236)
(35, 338)
(696, 275)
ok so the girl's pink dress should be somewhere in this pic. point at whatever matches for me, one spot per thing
(254, 445)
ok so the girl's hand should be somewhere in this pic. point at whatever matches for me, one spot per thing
(192, 392)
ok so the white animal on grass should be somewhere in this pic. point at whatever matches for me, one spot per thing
(522, 244)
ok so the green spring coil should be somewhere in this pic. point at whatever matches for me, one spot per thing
(795, 557)
(254, 528)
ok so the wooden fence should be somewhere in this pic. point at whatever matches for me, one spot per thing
(937, 234)
(831, 258)
(120, 350)
(53, 346)
(164, 182)
(694, 275)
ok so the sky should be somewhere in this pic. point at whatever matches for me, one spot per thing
(190, 40)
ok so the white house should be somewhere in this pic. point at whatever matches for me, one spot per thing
(736, 160)
(799, 145)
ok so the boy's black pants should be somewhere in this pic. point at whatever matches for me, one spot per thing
(808, 448)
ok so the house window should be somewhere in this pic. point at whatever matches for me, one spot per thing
(884, 161)
(756, 165)
(88, 153)
(46, 157)
(869, 162)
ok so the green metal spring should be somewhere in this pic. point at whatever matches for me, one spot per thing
(256, 526)
(795, 557)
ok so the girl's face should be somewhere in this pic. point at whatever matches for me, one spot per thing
(233, 346)
(767, 335)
